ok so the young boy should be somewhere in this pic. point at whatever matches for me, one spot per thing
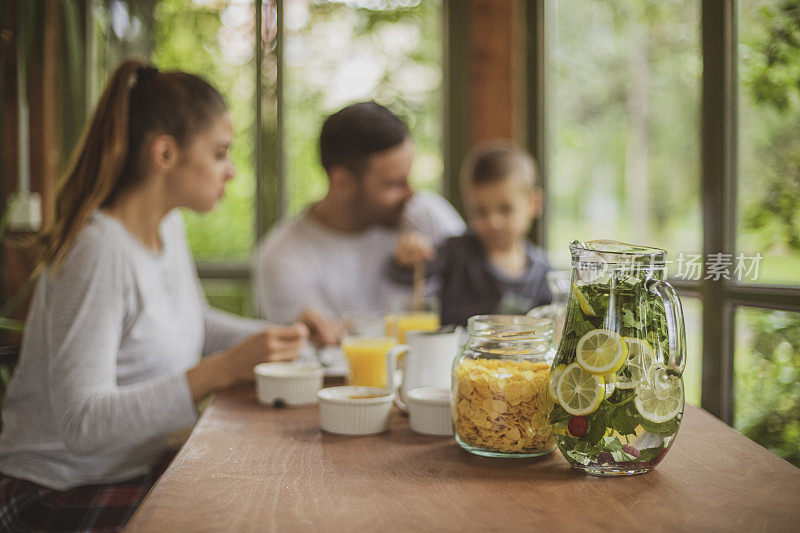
(492, 268)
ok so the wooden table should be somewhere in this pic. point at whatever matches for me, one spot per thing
(247, 467)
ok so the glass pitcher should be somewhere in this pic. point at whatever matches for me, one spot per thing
(616, 382)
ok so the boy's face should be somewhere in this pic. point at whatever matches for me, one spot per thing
(500, 213)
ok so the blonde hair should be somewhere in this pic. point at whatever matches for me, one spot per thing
(137, 102)
(496, 161)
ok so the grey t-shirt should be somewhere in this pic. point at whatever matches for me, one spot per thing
(303, 264)
(101, 377)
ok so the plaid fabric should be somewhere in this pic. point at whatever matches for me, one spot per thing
(26, 506)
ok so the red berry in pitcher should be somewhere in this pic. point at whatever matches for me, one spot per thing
(630, 450)
(578, 426)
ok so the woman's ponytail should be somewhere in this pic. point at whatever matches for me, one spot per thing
(94, 169)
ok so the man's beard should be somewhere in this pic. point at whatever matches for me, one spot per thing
(392, 220)
(370, 215)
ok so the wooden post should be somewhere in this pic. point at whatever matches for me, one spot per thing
(496, 71)
(484, 79)
(43, 133)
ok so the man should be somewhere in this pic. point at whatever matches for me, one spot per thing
(332, 258)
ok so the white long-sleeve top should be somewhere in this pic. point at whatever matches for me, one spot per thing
(101, 377)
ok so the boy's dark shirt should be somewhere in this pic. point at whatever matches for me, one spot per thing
(469, 284)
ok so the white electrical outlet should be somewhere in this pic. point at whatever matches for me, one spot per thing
(26, 212)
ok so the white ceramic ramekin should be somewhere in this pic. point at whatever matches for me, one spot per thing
(354, 410)
(288, 384)
(429, 411)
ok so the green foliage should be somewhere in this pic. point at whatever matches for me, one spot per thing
(767, 364)
(769, 192)
(767, 386)
(200, 38)
(626, 154)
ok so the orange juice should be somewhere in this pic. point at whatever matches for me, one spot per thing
(419, 321)
(367, 359)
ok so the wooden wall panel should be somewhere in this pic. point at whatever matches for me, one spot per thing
(495, 70)
(42, 82)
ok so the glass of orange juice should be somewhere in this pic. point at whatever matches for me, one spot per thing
(365, 344)
(405, 318)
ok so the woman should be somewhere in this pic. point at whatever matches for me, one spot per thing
(111, 358)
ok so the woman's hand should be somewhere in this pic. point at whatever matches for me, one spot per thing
(413, 248)
(278, 343)
(322, 331)
(235, 365)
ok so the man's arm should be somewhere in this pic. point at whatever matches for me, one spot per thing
(286, 290)
(284, 284)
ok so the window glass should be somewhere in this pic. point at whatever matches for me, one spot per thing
(216, 39)
(625, 160)
(769, 139)
(337, 53)
(233, 296)
(693, 375)
(767, 379)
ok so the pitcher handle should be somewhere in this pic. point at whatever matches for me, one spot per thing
(676, 332)
(394, 374)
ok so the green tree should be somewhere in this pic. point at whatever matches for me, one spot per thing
(771, 77)
(767, 387)
(216, 40)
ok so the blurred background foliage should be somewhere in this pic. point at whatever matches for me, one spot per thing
(769, 136)
(767, 356)
(767, 379)
(216, 39)
(626, 78)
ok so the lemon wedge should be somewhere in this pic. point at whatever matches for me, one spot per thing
(659, 404)
(586, 307)
(578, 391)
(601, 351)
(640, 360)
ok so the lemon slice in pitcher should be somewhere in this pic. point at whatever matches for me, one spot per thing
(601, 351)
(578, 391)
(640, 360)
(586, 307)
(659, 405)
(555, 375)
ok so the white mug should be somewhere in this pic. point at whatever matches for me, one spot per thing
(428, 362)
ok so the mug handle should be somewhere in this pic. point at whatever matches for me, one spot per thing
(392, 372)
(675, 327)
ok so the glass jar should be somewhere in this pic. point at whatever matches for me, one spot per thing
(500, 395)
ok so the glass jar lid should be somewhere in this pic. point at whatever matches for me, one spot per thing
(510, 327)
(511, 336)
